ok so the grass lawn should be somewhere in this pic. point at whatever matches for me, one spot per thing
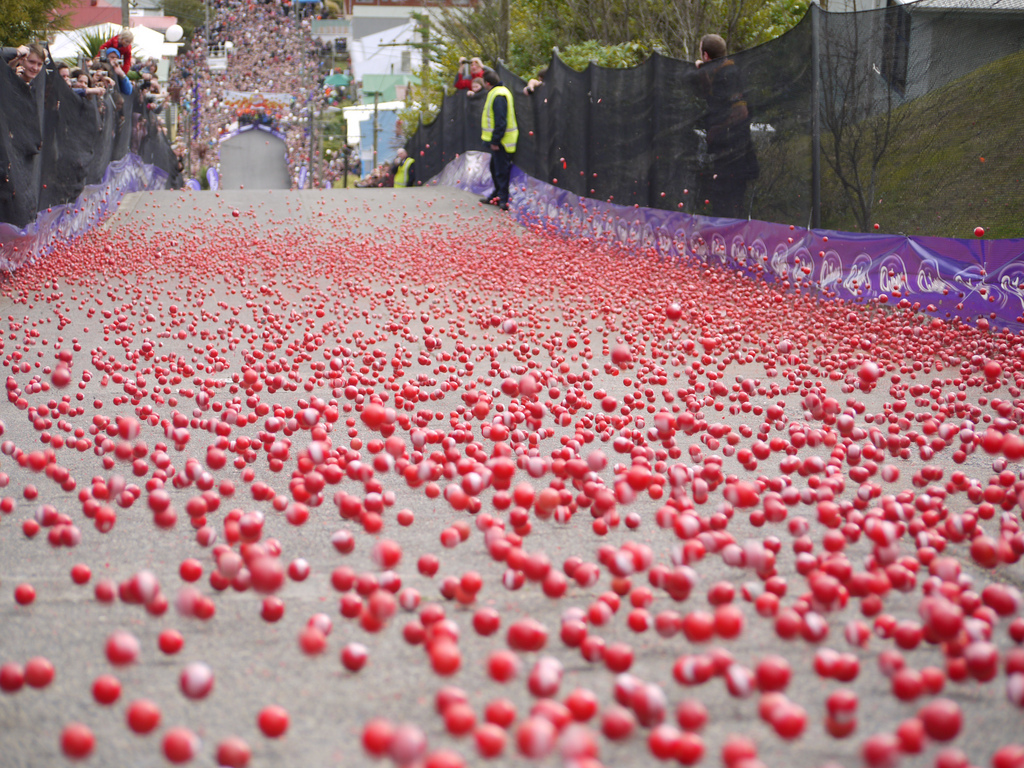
(958, 162)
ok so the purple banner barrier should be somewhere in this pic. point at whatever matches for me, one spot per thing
(251, 127)
(470, 172)
(980, 281)
(64, 223)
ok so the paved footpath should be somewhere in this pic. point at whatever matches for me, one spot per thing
(581, 438)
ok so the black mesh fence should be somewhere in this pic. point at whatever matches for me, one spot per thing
(54, 142)
(905, 117)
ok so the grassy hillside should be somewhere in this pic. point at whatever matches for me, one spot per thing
(957, 163)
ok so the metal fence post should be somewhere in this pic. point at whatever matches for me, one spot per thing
(815, 116)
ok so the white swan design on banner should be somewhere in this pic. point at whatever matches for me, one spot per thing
(717, 251)
(929, 280)
(699, 247)
(758, 252)
(803, 265)
(831, 271)
(739, 250)
(780, 261)
(1011, 280)
(858, 280)
(892, 274)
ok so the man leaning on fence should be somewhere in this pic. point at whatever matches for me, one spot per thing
(500, 133)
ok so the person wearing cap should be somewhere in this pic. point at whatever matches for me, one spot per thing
(113, 61)
(122, 43)
(500, 133)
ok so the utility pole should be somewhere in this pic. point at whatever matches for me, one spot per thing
(503, 30)
(188, 132)
(376, 97)
(125, 21)
(815, 116)
(311, 139)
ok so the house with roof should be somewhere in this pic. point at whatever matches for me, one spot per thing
(917, 47)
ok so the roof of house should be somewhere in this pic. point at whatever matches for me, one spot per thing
(1013, 6)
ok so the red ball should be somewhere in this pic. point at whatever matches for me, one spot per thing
(143, 716)
(77, 741)
(38, 672)
(122, 648)
(490, 740)
(12, 677)
(24, 594)
(377, 737)
(233, 752)
(180, 745)
(106, 689)
(171, 641)
(618, 657)
(354, 656)
(942, 719)
(273, 721)
(535, 737)
(486, 621)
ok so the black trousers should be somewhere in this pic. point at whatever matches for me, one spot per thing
(501, 172)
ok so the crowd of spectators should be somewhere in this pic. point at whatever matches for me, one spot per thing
(110, 72)
(272, 52)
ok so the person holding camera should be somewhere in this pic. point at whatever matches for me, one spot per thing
(26, 60)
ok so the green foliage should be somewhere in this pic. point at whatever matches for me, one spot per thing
(423, 101)
(90, 43)
(955, 163)
(619, 56)
(25, 21)
(190, 14)
(612, 33)
(616, 33)
(333, 10)
(335, 131)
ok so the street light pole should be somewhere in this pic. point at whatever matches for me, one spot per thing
(376, 97)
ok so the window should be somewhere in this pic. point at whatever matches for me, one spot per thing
(896, 46)
(406, 61)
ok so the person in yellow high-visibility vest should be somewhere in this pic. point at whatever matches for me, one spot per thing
(500, 133)
(402, 171)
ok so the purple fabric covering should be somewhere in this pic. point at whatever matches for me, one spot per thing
(62, 224)
(252, 127)
(213, 178)
(194, 185)
(970, 279)
(470, 172)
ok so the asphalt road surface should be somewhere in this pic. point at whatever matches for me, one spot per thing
(240, 339)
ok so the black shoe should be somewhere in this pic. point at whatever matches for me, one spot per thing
(503, 206)
(488, 201)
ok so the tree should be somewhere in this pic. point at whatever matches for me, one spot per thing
(190, 14)
(24, 21)
(859, 111)
(521, 33)
(618, 56)
(614, 33)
